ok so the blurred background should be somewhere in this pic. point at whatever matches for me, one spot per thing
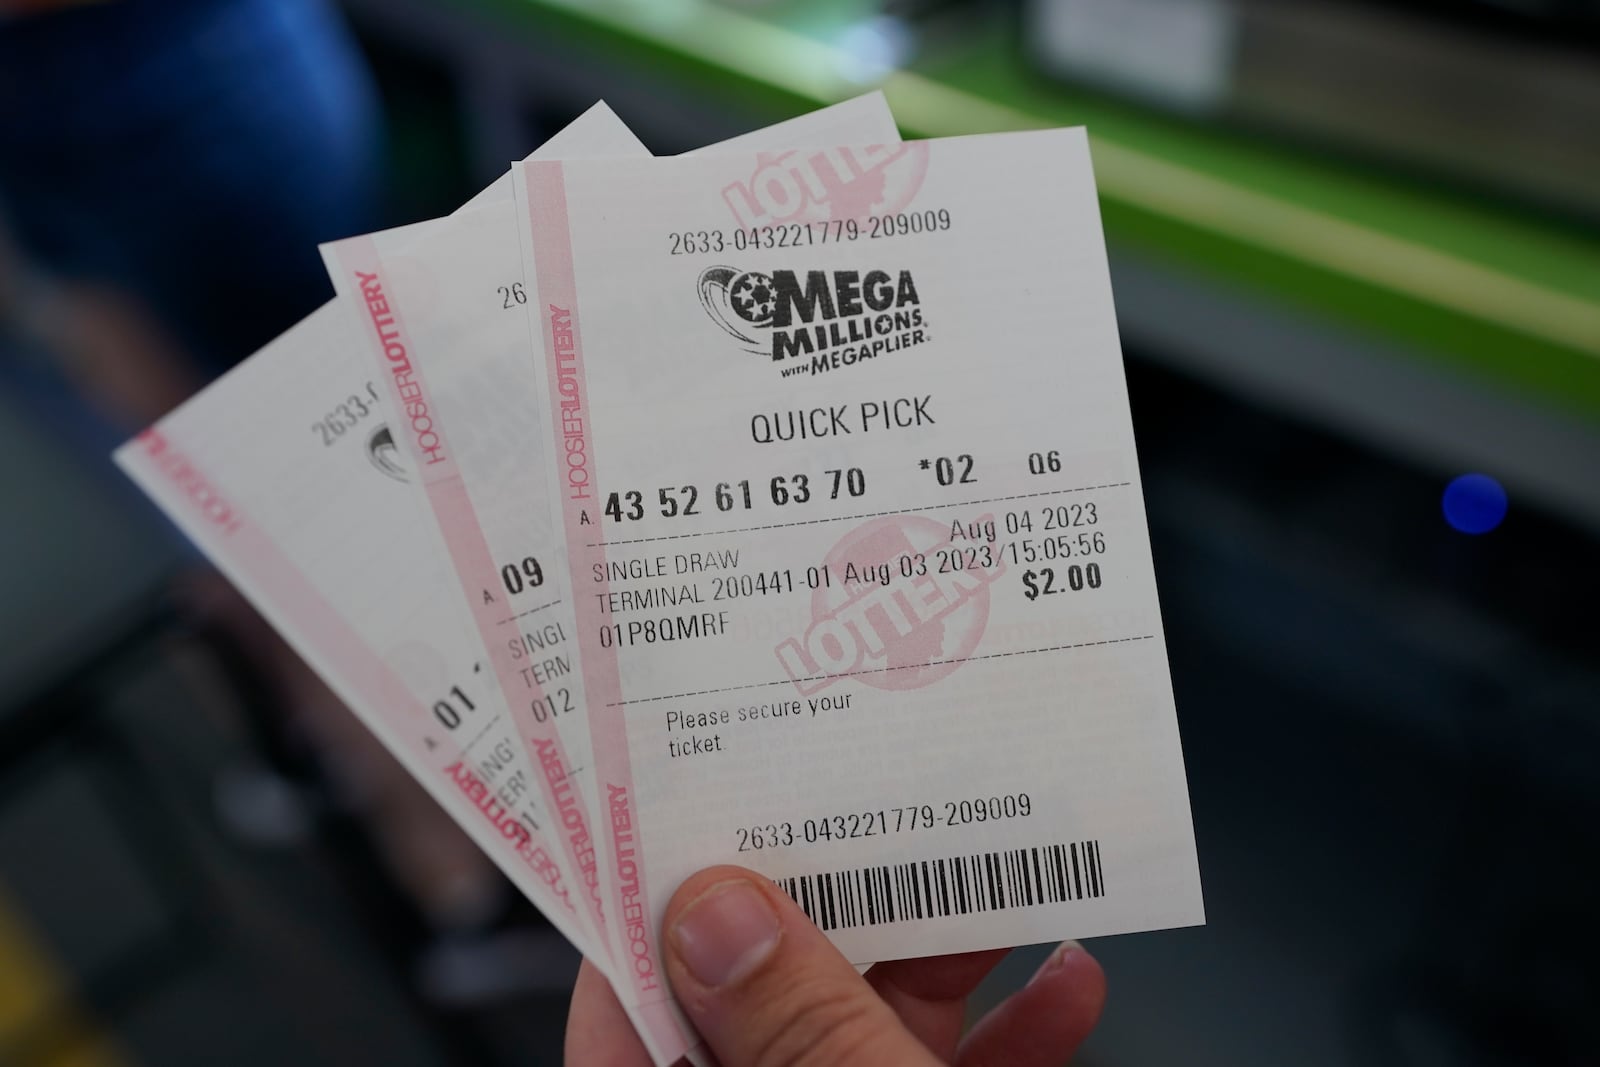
(1356, 253)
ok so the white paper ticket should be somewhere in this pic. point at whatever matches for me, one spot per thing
(456, 288)
(447, 332)
(857, 547)
(286, 473)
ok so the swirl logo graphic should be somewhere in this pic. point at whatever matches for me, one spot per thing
(385, 454)
(742, 303)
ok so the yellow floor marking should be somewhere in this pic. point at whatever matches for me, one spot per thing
(32, 988)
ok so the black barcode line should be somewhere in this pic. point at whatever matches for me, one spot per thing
(951, 885)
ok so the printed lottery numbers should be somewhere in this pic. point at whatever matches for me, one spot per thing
(948, 471)
(522, 576)
(449, 711)
(674, 502)
(512, 295)
(726, 499)
(797, 488)
(783, 490)
(852, 480)
(1044, 462)
(629, 505)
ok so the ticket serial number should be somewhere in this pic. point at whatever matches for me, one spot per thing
(806, 234)
(884, 821)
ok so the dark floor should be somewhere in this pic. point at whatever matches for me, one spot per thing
(242, 953)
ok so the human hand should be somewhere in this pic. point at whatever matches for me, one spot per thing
(765, 988)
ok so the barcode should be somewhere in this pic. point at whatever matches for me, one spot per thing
(954, 885)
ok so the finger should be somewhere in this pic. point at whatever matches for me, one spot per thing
(598, 1030)
(1044, 1022)
(765, 988)
(930, 995)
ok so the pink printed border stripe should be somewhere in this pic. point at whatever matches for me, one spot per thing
(634, 947)
(470, 555)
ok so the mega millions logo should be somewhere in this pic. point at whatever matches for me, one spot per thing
(813, 322)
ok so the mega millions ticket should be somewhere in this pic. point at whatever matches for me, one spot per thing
(845, 468)
(441, 305)
(287, 473)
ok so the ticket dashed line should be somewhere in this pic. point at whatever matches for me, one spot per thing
(866, 515)
(884, 670)
(470, 745)
(525, 614)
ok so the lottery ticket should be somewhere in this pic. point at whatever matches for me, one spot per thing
(457, 286)
(448, 332)
(285, 473)
(844, 464)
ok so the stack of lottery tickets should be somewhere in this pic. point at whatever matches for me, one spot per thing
(773, 505)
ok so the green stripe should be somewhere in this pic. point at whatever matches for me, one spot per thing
(1504, 296)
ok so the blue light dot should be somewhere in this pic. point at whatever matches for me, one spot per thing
(1474, 503)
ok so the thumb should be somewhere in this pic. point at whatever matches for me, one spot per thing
(765, 988)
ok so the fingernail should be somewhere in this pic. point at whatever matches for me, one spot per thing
(1057, 960)
(726, 933)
